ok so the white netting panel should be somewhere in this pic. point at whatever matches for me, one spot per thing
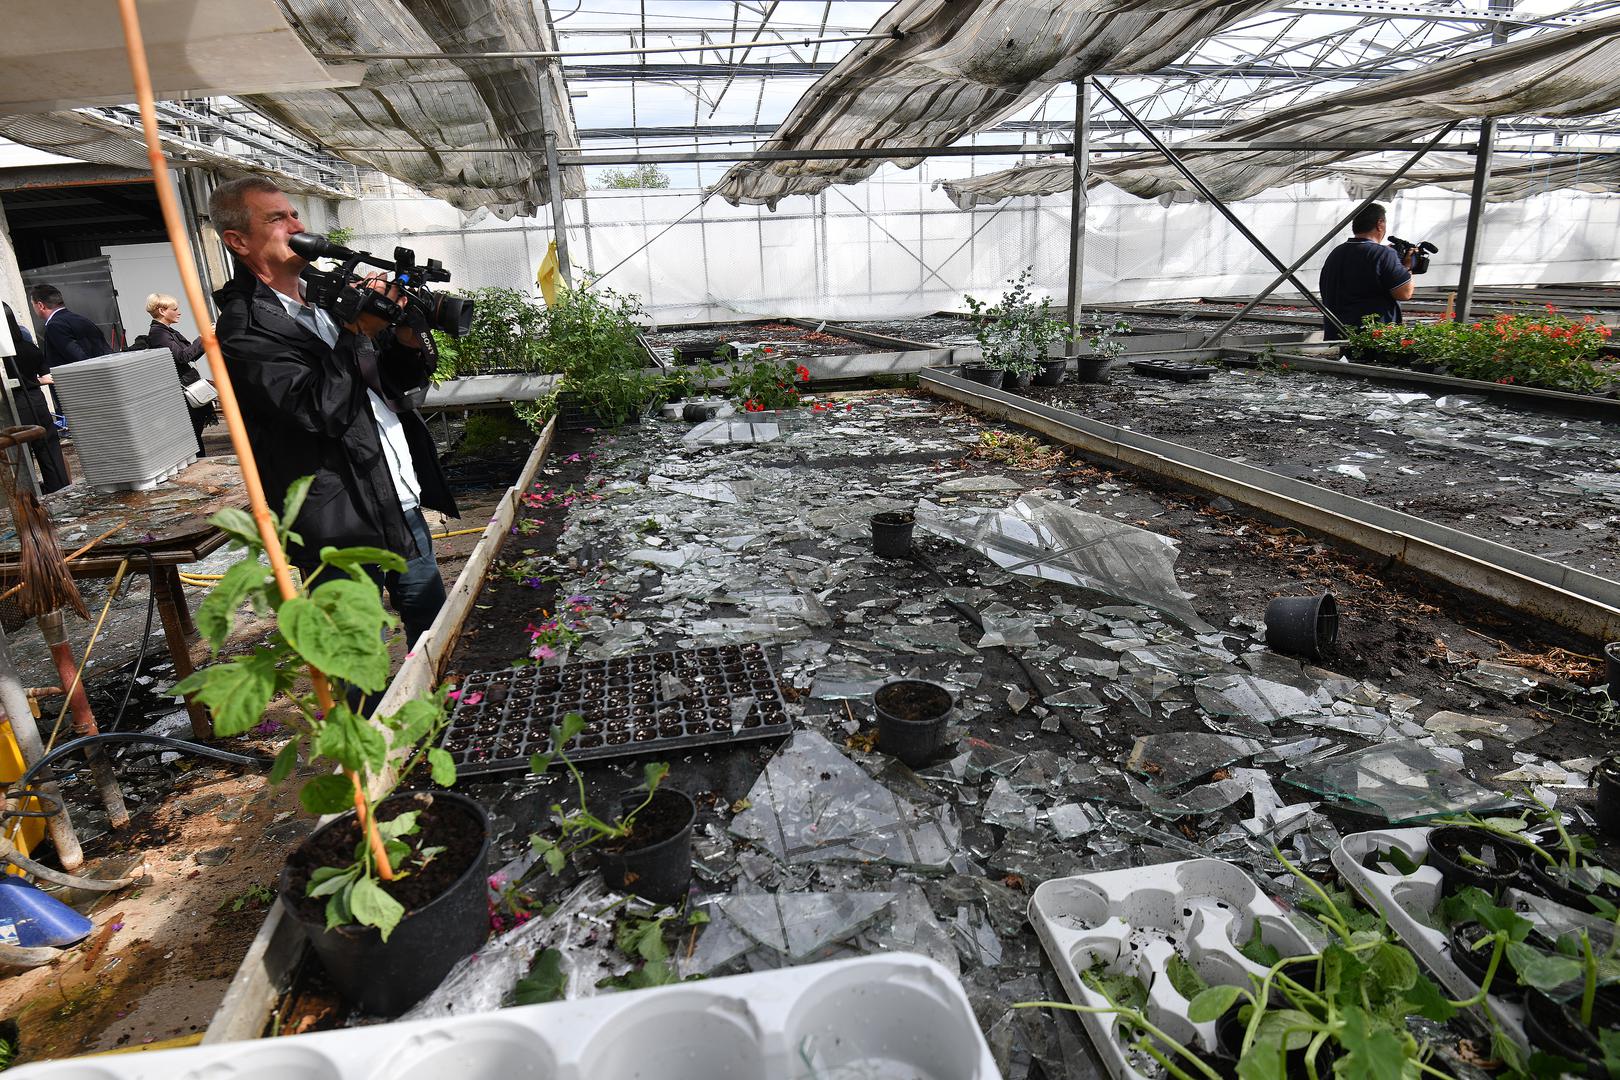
(891, 246)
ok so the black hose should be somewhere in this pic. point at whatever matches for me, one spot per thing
(1035, 684)
(146, 637)
(20, 791)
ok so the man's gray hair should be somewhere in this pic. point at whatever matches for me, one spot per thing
(226, 209)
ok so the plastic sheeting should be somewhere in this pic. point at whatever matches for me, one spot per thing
(1564, 73)
(404, 106)
(954, 68)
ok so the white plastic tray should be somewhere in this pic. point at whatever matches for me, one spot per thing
(1133, 921)
(874, 1016)
(1405, 899)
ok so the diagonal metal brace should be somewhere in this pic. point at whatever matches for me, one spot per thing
(1203, 189)
(1260, 297)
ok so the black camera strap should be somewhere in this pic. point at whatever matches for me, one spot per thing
(365, 356)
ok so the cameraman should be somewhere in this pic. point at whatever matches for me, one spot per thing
(324, 400)
(1364, 276)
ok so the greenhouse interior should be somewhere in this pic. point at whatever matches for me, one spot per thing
(933, 540)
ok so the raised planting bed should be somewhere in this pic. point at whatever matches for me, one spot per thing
(699, 342)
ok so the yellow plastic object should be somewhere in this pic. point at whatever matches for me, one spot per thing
(24, 833)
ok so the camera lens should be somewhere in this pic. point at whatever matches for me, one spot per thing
(452, 315)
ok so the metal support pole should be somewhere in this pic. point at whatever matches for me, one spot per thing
(1476, 214)
(1077, 208)
(1328, 237)
(14, 702)
(1203, 189)
(554, 179)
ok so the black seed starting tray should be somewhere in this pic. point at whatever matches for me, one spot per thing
(502, 718)
(1178, 370)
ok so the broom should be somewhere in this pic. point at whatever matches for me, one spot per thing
(46, 584)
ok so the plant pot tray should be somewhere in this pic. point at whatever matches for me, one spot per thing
(854, 1017)
(1406, 901)
(630, 704)
(1178, 370)
(1132, 922)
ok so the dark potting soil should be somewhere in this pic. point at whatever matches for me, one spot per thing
(910, 701)
(662, 819)
(443, 824)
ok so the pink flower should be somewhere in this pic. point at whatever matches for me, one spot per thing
(472, 698)
(544, 652)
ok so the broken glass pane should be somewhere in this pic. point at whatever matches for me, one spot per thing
(1253, 697)
(975, 939)
(850, 680)
(1007, 808)
(1402, 781)
(798, 925)
(1168, 761)
(932, 637)
(812, 804)
(723, 432)
(1071, 820)
(1042, 538)
(1204, 799)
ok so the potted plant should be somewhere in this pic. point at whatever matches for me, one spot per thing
(761, 382)
(1014, 333)
(1105, 349)
(646, 849)
(592, 337)
(1567, 872)
(391, 892)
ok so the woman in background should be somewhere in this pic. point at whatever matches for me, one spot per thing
(165, 312)
(28, 368)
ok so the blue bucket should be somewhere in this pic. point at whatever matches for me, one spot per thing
(35, 919)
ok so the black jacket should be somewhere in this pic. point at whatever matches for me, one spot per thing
(26, 367)
(70, 336)
(162, 336)
(307, 414)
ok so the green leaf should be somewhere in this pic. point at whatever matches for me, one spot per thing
(442, 766)
(1212, 1003)
(1426, 999)
(641, 937)
(352, 741)
(1184, 977)
(293, 502)
(545, 981)
(400, 825)
(414, 720)
(354, 560)
(696, 917)
(539, 763)
(572, 725)
(1609, 1039)
(331, 794)
(1544, 971)
(373, 907)
(555, 860)
(1393, 967)
(1492, 916)
(652, 774)
(237, 693)
(286, 760)
(1256, 949)
(238, 524)
(216, 615)
(1373, 1052)
(338, 628)
(337, 907)
(1120, 989)
(327, 880)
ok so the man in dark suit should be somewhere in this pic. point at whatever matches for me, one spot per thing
(68, 335)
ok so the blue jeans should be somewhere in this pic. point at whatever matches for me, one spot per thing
(418, 593)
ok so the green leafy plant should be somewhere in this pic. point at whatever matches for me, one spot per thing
(1546, 350)
(579, 828)
(334, 625)
(760, 382)
(1016, 330)
(546, 980)
(505, 336)
(1104, 338)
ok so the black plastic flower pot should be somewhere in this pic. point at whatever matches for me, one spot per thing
(1606, 779)
(1473, 857)
(911, 716)
(1474, 963)
(891, 534)
(696, 412)
(1052, 371)
(1568, 887)
(1611, 662)
(1229, 1039)
(983, 375)
(1091, 369)
(1021, 380)
(384, 978)
(1302, 625)
(655, 862)
(1555, 1028)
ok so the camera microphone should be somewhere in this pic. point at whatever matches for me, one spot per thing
(312, 246)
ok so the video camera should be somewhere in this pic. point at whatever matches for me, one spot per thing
(344, 293)
(1420, 261)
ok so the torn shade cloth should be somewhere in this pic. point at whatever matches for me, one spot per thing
(1041, 538)
(1400, 781)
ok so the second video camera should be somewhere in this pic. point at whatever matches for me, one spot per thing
(1423, 249)
(344, 293)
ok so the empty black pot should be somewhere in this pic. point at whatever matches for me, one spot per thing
(660, 871)
(1091, 369)
(1611, 658)
(911, 717)
(696, 412)
(1448, 847)
(891, 534)
(1606, 778)
(985, 376)
(384, 978)
(1302, 625)
(1051, 373)
(1556, 1029)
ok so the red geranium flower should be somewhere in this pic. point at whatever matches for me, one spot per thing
(802, 373)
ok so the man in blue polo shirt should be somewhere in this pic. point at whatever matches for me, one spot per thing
(1363, 276)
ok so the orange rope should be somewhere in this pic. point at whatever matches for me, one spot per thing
(260, 508)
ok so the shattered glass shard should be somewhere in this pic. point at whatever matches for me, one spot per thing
(813, 804)
(798, 925)
(931, 637)
(975, 938)
(1402, 781)
(1042, 538)
(1204, 799)
(849, 680)
(1007, 808)
(1171, 760)
(1070, 820)
(1253, 697)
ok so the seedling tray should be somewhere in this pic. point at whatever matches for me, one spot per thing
(1132, 922)
(627, 704)
(1172, 369)
(1406, 901)
(890, 1015)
